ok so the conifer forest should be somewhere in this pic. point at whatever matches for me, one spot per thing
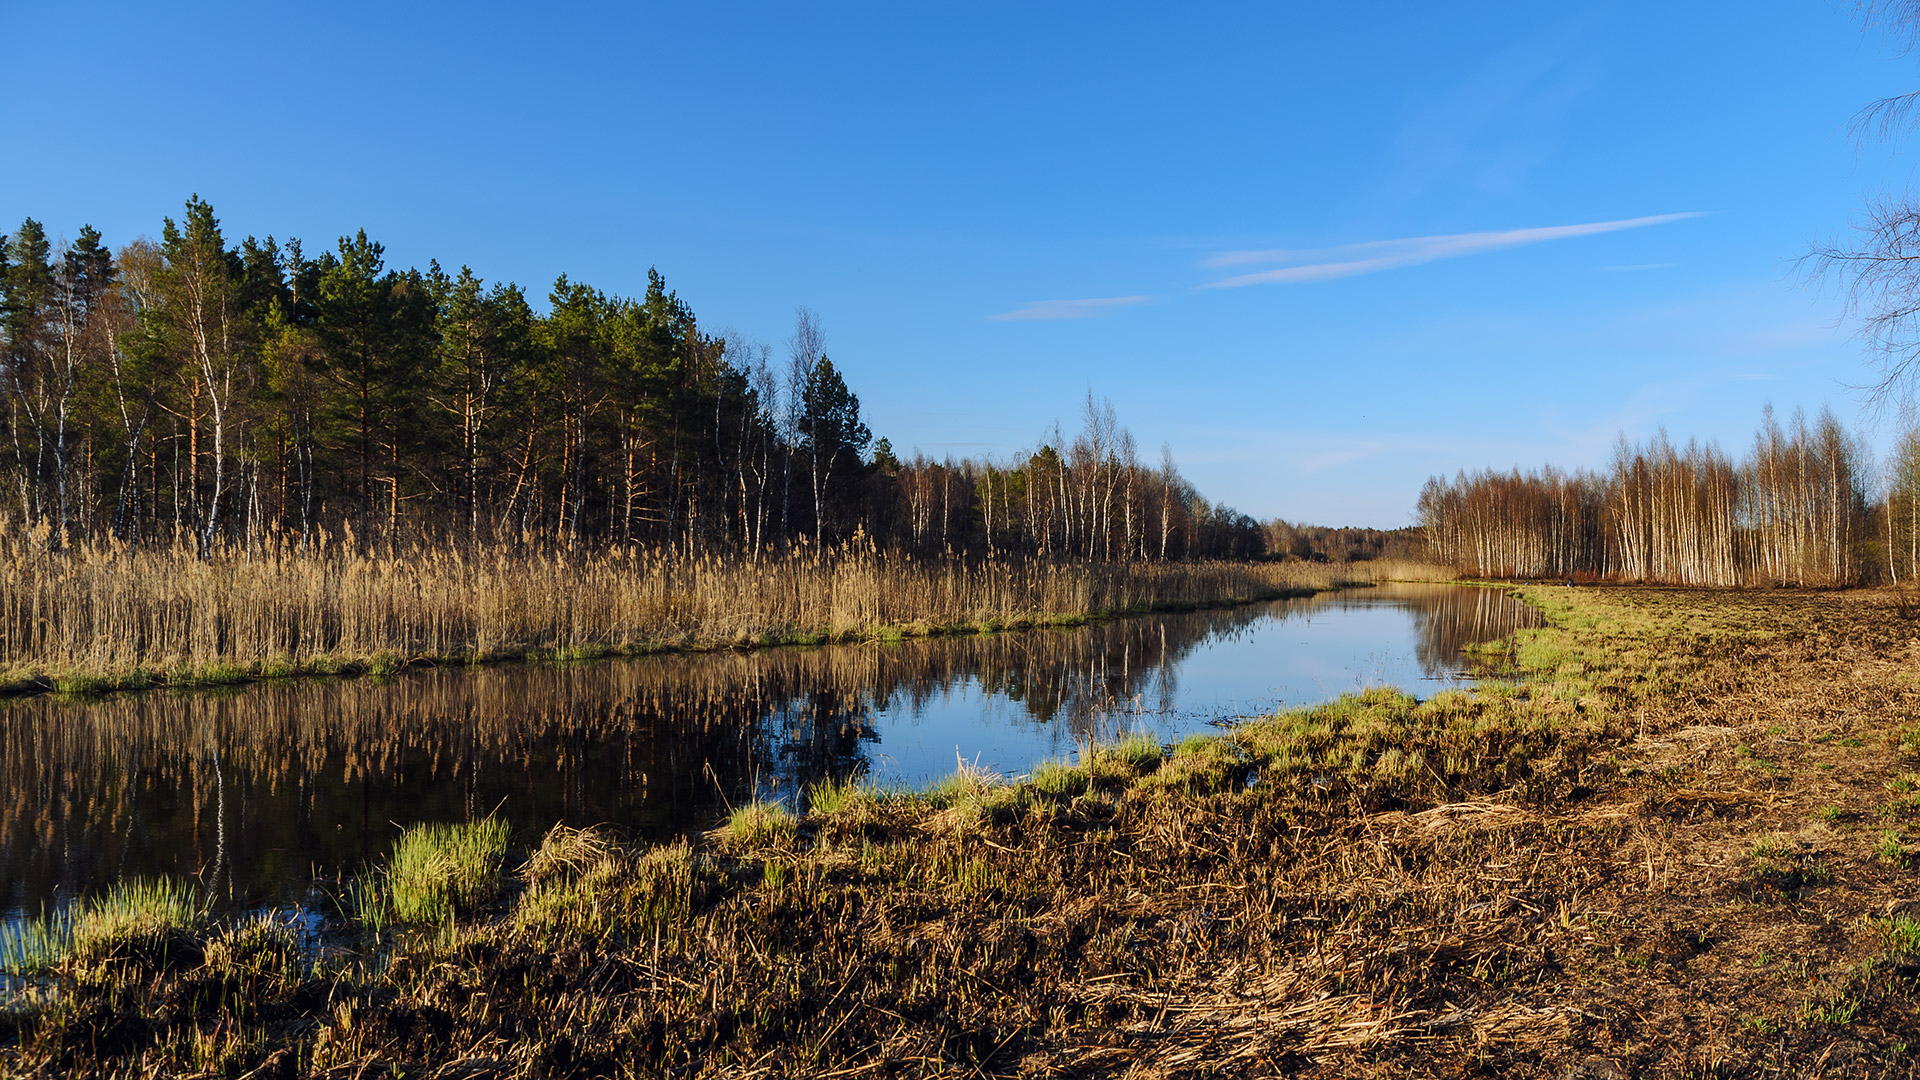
(200, 392)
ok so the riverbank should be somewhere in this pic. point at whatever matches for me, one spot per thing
(1682, 842)
(99, 620)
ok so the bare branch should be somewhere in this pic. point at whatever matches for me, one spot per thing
(1889, 116)
(1884, 118)
(1880, 289)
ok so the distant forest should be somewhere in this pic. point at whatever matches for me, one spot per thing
(1806, 505)
(1321, 543)
(191, 391)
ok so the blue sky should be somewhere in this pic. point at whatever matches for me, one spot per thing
(1323, 253)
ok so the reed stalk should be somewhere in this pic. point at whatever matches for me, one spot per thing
(103, 617)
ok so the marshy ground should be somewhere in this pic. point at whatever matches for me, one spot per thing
(1683, 842)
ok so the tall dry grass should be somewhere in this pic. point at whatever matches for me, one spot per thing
(130, 615)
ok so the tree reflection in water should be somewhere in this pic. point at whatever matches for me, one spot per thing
(259, 790)
(1447, 618)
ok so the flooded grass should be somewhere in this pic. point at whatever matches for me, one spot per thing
(1582, 872)
(437, 871)
(34, 946)
(142, 924)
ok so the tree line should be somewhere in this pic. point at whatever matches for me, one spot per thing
(1805, 505)
(220, 395)
(1322, 543)
(1089, 496)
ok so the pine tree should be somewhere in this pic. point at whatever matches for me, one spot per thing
(832, 437)
(26, 319)
(376, 334)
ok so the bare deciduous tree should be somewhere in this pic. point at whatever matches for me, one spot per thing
(1878, 273)
(804, 349)
(1792, 513)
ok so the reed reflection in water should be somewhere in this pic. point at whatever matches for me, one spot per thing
(258, 791)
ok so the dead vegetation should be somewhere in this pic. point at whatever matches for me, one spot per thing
(94, 618)
(1684, 845)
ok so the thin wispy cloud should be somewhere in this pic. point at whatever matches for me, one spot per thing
(1489, 132)
(1351, 260)
(1089, 308)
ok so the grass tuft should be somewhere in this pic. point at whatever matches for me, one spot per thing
(1899, 935)
(438, 871)
(143, 922)
(567, 852)
(831, 796)
(760, 825)
(35, 946)
(265, 948)
(1202, 764)
(1117, 764)
(1058, 780)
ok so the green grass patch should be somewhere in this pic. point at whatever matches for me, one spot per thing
(83, 683)
(135, 914)
(439, 871)
(1899, 935)
(972, 796)
(143, 922)
(1759, 1025)
(837, 796)
(1906, 739)
(1540, 653)
(1835, 1012)
(1058, 780)
(210, 675)
(34, 946)
(1117, 764)
(1201, 764)
(760, 824)
(1891, 849)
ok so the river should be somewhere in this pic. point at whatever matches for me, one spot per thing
(257, 792)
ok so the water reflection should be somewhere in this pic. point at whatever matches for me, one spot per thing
(258, 791)
(1447, 619)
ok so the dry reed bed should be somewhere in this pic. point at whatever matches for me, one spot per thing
(93, 616)
(1683, 847)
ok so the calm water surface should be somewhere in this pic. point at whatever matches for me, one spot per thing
(259, 791)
